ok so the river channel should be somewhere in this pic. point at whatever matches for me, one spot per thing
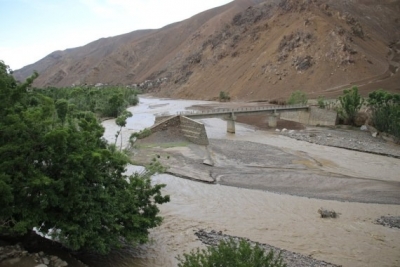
(285, 221)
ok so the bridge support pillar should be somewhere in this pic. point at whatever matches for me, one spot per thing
(273, 120)
(230, 123)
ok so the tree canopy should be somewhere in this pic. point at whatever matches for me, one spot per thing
(385, 111)
(59, 175)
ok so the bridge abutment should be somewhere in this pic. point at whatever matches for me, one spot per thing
(273, 120)
(230, 123)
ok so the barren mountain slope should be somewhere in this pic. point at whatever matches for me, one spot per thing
(122, 59)
(251, 49)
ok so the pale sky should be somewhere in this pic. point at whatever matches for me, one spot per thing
(32, 29)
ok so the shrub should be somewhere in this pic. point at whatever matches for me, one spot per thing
(297, 97)
(350, 103)
(142, 134)
(133, 100)
(231, 253)
(224, 96)
(321, 102)
(385, 111)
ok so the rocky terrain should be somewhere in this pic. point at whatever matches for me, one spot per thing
(17, 255)
(389, 221)
(353, 139)
(252, 49)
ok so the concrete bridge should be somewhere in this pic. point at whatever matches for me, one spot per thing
(229, 114)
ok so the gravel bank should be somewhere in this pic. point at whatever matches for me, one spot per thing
(389, 221)
(292, 259)
(353, 139)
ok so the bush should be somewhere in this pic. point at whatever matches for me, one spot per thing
(224, 96)
(133, 100)
(385, 111)
(350, 103)
(321, 102)
(297, 97)
(142, 134)
(231, 253)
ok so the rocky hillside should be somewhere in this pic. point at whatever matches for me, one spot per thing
(252, 49)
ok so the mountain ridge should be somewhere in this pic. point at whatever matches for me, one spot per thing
(252, 49)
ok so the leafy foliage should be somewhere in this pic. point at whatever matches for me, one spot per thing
(121, 122)
(350, 103)
(231, 253)
(59, 175)
(105, 102)
(385, 111)
(297, 97)
(142, 134)
(224, 96)
(321, 102)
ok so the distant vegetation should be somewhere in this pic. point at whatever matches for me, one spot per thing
(350, 103)
(231, 253)
(321, 102)
(59, 175)
(297, 97)
(104, 102)
(385, 112)
(385, 108)
(224, 96)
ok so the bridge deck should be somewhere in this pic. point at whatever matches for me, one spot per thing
(228, 111)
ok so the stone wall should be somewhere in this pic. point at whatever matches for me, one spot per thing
(162, 118)
(163, 124)
(194, 131)
(323, 117)
(314, 116)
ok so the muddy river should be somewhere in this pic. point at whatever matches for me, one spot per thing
(285, 221)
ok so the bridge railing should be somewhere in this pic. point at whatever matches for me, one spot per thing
(244, 109)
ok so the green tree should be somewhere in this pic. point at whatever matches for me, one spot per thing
(62, 109)
(121, 122)
(297, 97)
(232, 254)
(65, 179)
(385, 111)
(350, 103)
(105, 102)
